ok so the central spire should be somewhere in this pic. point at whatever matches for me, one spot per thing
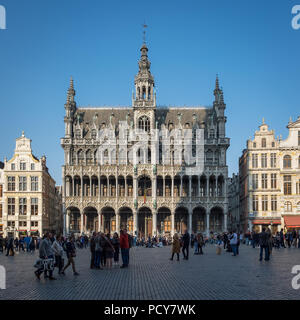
(144, 81)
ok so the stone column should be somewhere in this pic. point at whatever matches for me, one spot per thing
(108, 187)
(68, 221)
(81, 186)
(154, 224)
(81, 223)
(117, 187)
(207, 186)
(135, 229)
(225, 222)
(164, 186)
(118, 223)
(199, 186)
(99, 222)
(190, 187)
(126, 187)
(207, 224)
(190, 222)
(172, 188)
(91, 185)
(172, 224)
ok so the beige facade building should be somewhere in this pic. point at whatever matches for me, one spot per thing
(29, 194)
(269, 172)
(144, 187)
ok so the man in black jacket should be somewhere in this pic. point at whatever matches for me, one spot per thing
(93, 248)
(186, 244)
(264, 244)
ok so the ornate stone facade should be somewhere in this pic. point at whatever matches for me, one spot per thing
(270, 180)
(29, 194)
(108, 186)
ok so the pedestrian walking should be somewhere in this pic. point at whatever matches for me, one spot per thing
(185, 245)
(10, 247)
(58, 253)
(45, 252)
(71, 254)
(233, 242)
(175, 247)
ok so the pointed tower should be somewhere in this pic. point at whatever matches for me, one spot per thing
(70, 107)
(219, 107)
(144, 83)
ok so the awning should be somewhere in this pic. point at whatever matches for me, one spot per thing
(292, 221)
(266, 221)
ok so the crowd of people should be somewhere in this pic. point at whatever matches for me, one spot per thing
(105, 249)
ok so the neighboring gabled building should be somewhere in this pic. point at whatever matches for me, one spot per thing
(28, 193)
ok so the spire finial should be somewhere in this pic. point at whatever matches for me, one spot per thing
(291, 120)
(71, 83)
(263, 120)
(217, 82)
(23, 134)
(144, 32)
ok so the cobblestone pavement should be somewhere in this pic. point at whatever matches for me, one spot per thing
(152, 275)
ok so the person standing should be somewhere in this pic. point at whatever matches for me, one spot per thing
(58, 252)
(186, 245)
(10, 247)
(98, 251)
(45, 252)
(16, 243)
(264, 244)
(93, 250)
(233, 242)
(71, 254)
(116, 245)
(124, 245)
(109, 251)
(175, 247)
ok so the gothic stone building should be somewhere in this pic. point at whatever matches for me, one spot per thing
(103, 190)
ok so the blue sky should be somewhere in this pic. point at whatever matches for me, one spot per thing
(250, 44)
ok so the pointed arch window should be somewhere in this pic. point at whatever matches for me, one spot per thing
(80, 157)
(89, 157)
(144, 123)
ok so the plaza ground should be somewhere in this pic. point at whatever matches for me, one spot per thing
(152, 275)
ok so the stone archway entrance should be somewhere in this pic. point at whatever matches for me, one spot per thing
(126, 219)
(144, 222)
(164, 221)
(90, 220)
(181, 219)
(199, 220)
(109, 220)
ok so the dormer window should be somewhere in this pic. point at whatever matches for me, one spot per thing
(254, 144)
(263, 142)
(32, 166)
(13, 166)
(22, 166)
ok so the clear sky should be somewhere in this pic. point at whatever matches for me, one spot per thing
(250, 44)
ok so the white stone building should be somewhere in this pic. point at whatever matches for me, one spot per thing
(28, 193)
(269, 172)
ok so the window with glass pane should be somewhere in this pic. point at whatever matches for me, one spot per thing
(255, 203)
(264, 203)
(11, 183)
(273, 160)
(34, 183)
(273, 180)
(11, 209)
(287, 161)
(22, 184)
(298, 138)
(255, 181)
(34, 206)
(13, 166)
(264, 181)
(264, 160)
(22, 166)
(288, 206)
(1, 210)
(89, 157)
(254, 161)
(287, 183)
(274, 203)
(263, 142)
(22, 206)
(32, 166)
